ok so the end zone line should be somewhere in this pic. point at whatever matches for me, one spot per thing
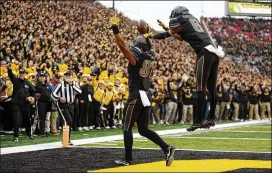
(54, 145)
(137, 148)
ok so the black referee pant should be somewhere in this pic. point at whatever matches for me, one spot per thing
(43, 108)
(206, 76)
(134, 111)
(68, 112)
(17, 112)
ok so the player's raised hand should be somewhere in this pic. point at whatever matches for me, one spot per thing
(149, 32)
(114, 20)
(163, 25)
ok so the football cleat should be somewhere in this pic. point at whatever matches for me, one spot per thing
(15, 139)
(170, 155)
(211, 123)
(123, 162)
(198, 126)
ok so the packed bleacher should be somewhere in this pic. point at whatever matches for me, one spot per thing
(59, 36)
(246, 37)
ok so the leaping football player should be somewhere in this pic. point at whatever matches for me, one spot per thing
(185, 26)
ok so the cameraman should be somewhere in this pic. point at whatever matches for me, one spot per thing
(23, 97)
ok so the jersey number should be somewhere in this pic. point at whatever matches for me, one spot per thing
(196, 25)
(146, 69)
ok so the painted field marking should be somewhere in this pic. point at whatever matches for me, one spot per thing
(236, 131)
(108, 143)
(53, 145)
(137, 148)
(189, 137)
(209, 165)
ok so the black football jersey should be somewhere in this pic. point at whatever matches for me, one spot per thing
(139, 74)
(193, 34)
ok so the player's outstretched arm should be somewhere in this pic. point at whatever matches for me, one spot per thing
(122, 45)
(164, 35)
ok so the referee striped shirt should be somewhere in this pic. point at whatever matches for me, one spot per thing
(66, 90)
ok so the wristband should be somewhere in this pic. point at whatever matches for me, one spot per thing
(115, 29)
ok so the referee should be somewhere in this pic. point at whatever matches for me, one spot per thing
(65, 93)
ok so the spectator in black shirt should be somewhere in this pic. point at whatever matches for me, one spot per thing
(23, 97)
(253, 97)
(172, 97)
(243, 98)
(219, 101)
(187, 99)
(86, 107)
(44, 101)
(265, 102)
(235, 102)
(225, 104)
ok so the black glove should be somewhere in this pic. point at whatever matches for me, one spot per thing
(115, 29)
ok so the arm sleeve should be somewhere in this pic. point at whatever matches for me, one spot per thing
(235, 88)
(162, 35)
(136, 52)
(55, 92)
(261, 88)
(77, 88)
(11, 76)
(231, 84)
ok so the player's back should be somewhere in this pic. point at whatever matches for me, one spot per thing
(193, 33)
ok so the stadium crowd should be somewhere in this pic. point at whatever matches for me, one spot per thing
(44, 42)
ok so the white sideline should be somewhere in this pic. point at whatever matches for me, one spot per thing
(53, 145)
(217, 138)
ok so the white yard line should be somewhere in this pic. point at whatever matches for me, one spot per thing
(140, 140)
(219, 131)
(236, 131)
(53, 145)
(216, 138)
(108, 143)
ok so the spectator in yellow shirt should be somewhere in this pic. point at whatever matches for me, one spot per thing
(3, 69)
(98, 95)
(108, 99)
(30, 69)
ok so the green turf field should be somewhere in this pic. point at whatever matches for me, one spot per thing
(6, 141)
(215, 155)
(236, 139)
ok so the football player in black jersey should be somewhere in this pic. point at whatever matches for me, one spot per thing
(138, 106)
(184, 26)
